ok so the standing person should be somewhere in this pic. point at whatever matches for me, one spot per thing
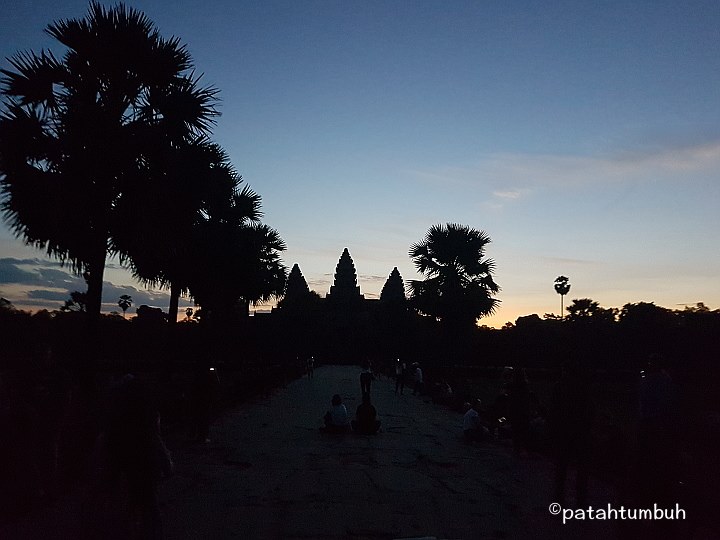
(399, 376)
(54, 398)
(311, 367)
(206, 391)
(570, 422)
(366, 378)
(137, 452)
(657, 432)
(418, 380)
(519, 408)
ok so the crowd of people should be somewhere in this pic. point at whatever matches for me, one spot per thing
(562, 427)
(337, 419)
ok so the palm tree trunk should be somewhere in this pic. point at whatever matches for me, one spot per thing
(174, 302)
(93, 349)
(95, 273)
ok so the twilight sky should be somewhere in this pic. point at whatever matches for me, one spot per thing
(583, 137)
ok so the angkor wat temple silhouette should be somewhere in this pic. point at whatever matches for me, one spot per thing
(344, 325)
(345, 292)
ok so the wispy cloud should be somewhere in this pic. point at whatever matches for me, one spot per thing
(11, 273)
(47, 294)
(510, 194)
(567, 261)
(320, 286)
(37, 272)
(506, 177)
(38, 283)
(372, 278)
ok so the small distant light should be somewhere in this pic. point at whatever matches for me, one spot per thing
(212, 369)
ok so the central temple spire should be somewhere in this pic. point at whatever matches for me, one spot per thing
(345, 286)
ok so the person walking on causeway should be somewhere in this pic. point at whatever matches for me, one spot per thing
(366, 378)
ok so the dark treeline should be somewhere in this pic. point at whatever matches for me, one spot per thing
(617, 341)
(606, 340)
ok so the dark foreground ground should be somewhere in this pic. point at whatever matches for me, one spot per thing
(269, 473)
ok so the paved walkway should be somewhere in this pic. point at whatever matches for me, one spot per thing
(270, 473)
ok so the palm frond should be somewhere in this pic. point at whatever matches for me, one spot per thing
(33, 81)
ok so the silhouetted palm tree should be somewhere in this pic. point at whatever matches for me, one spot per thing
(586, 310)
(236, 259)
(77, 303)
(78, 133)
(459, 285)
(562, 287)
(125, 302)
(193, 182)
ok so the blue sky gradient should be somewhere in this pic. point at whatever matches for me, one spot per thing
(583, 137)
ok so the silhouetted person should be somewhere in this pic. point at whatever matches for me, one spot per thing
(538, 423)
(519, 408)
(136, 451)
(367, 422)
(657, 433)
(53, 401)
(366, 378)
(400, 369)
(337, 419)
(499, 410)
(570, 423)
(19, 473)
(442, 393)
(311, 367)
(418, 376)
(206, 391)
(474, 428)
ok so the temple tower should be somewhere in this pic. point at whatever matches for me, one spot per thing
(345, 287)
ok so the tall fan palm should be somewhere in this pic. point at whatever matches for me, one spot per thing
(236, 258)
(459, 286)
(77, 133)
(125, 301)
(562, 287)
(189, 183)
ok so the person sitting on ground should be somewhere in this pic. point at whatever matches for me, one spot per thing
(442, 393)
(367, 422)
(474, 428)
(337, 419)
